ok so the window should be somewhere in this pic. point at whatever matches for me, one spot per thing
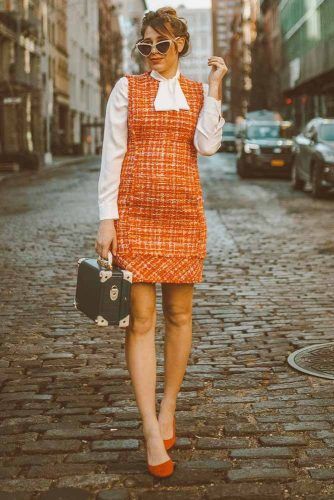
(326, 132)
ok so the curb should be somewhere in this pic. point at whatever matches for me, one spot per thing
(45, 169)
(70, 161)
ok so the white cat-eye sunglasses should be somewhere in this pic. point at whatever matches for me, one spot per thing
(162, 47)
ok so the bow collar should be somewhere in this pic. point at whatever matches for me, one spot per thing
(170, 94)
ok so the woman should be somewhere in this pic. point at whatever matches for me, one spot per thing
(151, 210)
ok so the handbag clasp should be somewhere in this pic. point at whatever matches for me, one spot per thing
(113, 292)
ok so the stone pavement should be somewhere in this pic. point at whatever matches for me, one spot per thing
(248, 425)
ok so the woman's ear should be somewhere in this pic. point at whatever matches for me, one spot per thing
(180, 44)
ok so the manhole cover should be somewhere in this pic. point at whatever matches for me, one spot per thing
(315, 360)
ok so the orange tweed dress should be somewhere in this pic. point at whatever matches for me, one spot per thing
(161, 230)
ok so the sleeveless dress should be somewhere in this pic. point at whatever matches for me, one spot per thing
(161, 230)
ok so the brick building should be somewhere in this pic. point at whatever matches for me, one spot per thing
(244, 33)
(56, 111)
(267, 57)
(20, 85)
(110, 49)
(223, 15)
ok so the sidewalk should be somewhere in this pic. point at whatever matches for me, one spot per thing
(57, 162)
(64, 161)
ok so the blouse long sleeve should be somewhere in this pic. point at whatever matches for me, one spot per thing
(209, 129)
(113, 150)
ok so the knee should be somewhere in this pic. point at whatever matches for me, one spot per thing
(141, 324)
(177, 316)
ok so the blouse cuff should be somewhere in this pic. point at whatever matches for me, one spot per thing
(212, 105)
(212, 121)
(108, 212)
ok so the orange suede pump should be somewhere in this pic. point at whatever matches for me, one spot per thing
(171, 441)
(164, 469)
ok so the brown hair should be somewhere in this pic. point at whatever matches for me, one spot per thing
(158, 19)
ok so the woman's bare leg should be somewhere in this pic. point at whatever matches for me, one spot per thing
(141, 363)
(177, 308)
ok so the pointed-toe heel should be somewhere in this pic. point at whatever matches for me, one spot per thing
(164, 469)
(171, 441)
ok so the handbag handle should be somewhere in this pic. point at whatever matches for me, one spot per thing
(105, 263)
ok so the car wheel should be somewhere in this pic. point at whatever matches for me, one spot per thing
(296, 182)
(241, 170)
(317, 189)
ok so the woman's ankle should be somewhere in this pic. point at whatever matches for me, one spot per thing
(168, 405)
(151, 428)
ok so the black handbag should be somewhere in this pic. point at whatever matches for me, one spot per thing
(103, 291)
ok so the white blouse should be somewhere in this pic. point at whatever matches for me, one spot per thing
(207, 140)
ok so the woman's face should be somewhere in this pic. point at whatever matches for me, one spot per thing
(161, 62)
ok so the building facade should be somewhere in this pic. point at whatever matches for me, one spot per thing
(55, 77)
(224, 13)
(307, 74)
(20, 83)
(59, 60)
(244, 33)
(130, 16)
(110, 48)
(195, 63)
(267, 54)
(84, 75)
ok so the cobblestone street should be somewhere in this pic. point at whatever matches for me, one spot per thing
(248, 425)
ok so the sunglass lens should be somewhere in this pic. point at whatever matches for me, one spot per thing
(144, 49)
(163, 46)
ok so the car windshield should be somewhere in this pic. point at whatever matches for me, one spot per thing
(263, 131)
(326, 132)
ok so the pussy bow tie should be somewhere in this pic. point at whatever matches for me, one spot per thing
(170, 94)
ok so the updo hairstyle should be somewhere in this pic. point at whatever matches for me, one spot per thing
(158, 19)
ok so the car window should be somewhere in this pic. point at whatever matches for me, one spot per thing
(326, 132)
(263, 131)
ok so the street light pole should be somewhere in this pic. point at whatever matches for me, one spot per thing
(48, 107)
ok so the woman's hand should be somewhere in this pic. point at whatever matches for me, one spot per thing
(217, 73)
(106, 238)
(218, 69)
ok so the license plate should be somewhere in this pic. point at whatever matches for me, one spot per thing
(277, 163)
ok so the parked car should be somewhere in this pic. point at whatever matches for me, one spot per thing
(264, 147)
(313, 165)
(228, 142)
(263, 115)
